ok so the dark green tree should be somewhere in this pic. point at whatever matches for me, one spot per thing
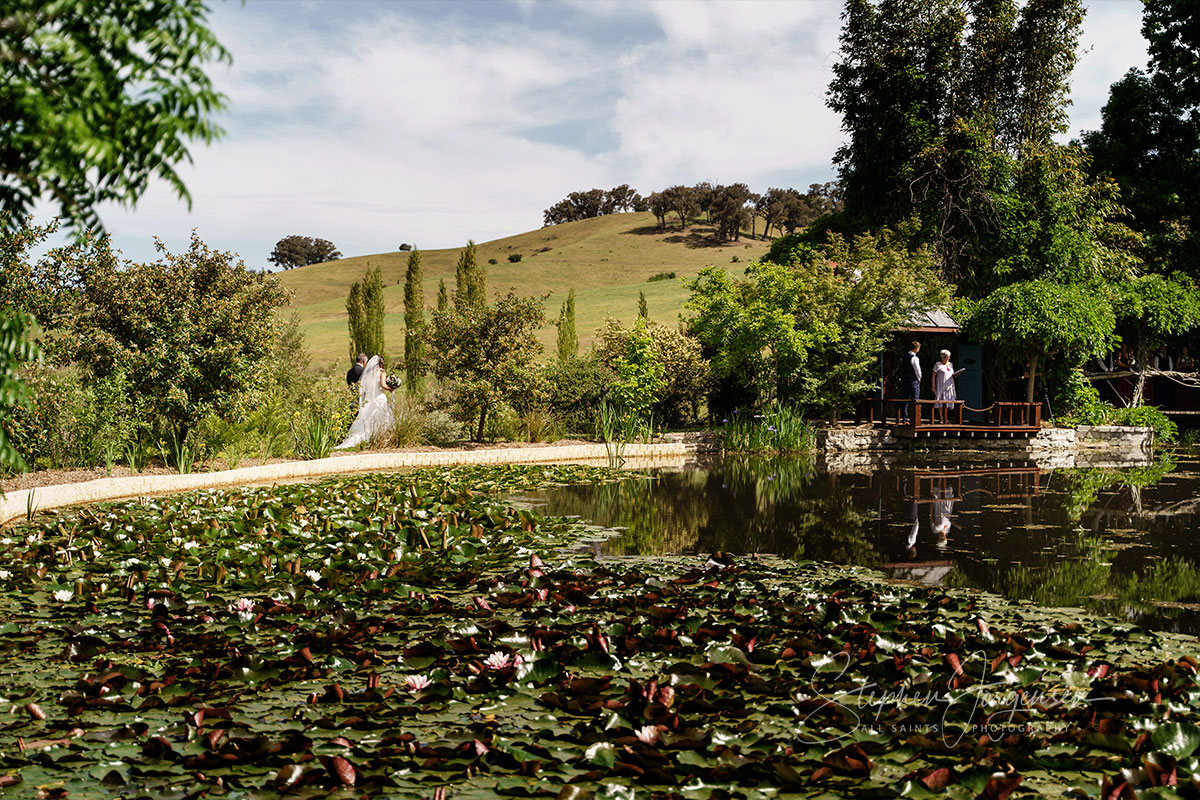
(365, 311)
(1149, 139)
(99, 98)
(300, 251)
(568, 341)
(643, 309)
(443, 299)
(414, 324)
(191, 333)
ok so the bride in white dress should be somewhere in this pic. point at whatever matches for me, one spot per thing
(374, 406)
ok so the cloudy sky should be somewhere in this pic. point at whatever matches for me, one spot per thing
(376, 123)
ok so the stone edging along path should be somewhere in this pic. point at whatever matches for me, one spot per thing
(17, 504)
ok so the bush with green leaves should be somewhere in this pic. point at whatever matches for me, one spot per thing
(575, 389)
(808, 331)
(513, 258)
(681, 383)
(192, 333)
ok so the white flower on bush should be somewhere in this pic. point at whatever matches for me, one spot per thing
(416, 683)
(63, 595)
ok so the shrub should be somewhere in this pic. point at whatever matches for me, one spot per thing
(686, 373)
(313, 435)
(575, 388)
(661, 276)
(440, 428)
(493, 261)
(70, 423)
(514, 257)
(540, 425)
(408, 422)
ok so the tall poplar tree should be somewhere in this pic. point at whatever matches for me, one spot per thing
(443, 296)
(643, 309)
(568, 341)
(414, 324)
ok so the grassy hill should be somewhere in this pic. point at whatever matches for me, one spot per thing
(606, 260)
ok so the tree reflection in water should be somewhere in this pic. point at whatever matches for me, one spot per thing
(1118, 541)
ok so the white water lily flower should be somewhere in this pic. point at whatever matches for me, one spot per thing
(416, 683)
(313, 575)
(647, 734)
(5, 574)
(190, 545)
(63, 595)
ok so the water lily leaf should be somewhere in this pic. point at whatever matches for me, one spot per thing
(1179, 739)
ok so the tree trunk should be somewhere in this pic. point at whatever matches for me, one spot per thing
(1033, 360)
(1143, 357)
(482, 423)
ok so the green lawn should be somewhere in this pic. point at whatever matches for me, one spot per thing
(606, 260)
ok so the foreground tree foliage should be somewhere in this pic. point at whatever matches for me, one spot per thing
(390, 635)
(300, 251)
(15, 352)
(100, 98)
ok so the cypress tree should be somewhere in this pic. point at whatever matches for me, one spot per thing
(372, 294)
(443, 300)
(414, 323)
(568, 342)
(643, 311)
(356, 312)
(470, 280)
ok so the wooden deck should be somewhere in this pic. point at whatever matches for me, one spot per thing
(999, 420)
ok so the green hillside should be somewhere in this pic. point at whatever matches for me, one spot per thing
(607, 260)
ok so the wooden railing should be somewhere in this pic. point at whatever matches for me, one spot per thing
(936, 414)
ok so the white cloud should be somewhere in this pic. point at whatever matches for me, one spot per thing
(373, 125)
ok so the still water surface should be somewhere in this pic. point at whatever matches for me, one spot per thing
(1123, 542)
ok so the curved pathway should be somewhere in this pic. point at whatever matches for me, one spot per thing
(17, 504)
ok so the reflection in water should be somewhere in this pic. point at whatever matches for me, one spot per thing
(1119, 541)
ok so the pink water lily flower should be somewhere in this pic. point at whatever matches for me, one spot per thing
(416, 683)
(498, 660)
(244, 604)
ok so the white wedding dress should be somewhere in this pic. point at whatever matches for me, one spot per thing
(375, 416)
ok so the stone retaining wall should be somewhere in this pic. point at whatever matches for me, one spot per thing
(1085, 446)
(17, 504)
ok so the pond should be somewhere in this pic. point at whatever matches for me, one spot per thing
(1120, 542)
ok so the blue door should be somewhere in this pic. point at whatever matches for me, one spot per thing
(970, 383)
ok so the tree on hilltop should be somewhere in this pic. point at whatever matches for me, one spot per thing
(300, 251)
